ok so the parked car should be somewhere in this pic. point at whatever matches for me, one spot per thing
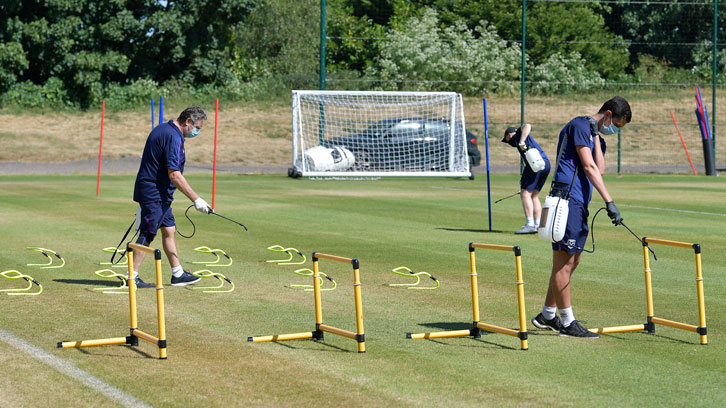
(403, 144)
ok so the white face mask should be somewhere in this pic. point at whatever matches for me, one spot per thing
(609, 130)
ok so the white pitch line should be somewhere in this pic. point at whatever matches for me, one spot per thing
(674, 210)
(65, 367)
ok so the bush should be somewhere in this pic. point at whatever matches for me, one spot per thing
(559, 74)
(12, 63)
(137, 93)
(423, 57)
(24, 94)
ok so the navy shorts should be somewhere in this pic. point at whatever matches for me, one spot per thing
(154, 216)
(532, 181)
(576, 232)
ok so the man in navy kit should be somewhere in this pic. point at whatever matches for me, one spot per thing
(530, 182)
(580, 166)
(160, 174)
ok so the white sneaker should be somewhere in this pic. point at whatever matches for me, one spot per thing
(527, 229)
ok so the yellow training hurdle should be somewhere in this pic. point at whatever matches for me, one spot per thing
(652, 320)
(320, 328)
(475, 331)
(136, 334)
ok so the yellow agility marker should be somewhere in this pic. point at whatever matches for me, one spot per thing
(136, 334)
(13, 274)
(110, 274)
(205, 273)
(478, 325)
(652, 320)
(404, 271)
(215, 252)
(321, 328)
(45, 252)
(309, 272)
(289, 251)
(122, 263)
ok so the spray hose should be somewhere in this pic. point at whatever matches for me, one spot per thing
(194, 227)
(592, 229)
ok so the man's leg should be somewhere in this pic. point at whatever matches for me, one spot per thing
(179, 277)
(527, 203)
(529, 225)
(138, 259)
(536, 207)
(168, 241)
(563, 265)
(148, 219)
(558, 293)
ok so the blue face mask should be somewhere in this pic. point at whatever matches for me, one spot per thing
(193, 133)
(609, 130)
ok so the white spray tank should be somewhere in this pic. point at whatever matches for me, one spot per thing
(555, 210)
(534, 158)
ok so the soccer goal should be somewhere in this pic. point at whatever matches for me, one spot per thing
(373, 134)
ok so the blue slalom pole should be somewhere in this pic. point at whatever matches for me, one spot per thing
(706, 124)
(161, 110)
(486, 144)
(152, 113)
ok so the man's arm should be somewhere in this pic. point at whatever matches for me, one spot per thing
(525, 129)
(181, 184)
(593, 171)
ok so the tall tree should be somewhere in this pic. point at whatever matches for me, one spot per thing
(89, 44)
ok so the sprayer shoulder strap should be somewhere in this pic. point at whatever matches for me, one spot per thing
(126, 234)
(560, 155)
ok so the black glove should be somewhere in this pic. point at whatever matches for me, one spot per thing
(613, 213)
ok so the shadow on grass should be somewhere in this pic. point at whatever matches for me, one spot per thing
(95, 352)
(110, 283)
(473, 230)
(447, 326)
(287, 344)
(648, 337)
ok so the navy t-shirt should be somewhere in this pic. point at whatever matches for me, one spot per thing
(164, 150)
(578, 132)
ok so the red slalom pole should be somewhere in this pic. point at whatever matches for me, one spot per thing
(100, 148)
(684, 144)
(214, 166)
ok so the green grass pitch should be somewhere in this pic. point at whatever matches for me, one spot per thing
(423, 224)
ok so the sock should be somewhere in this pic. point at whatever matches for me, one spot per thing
(530, 220)
(549, 312)
(536, 223)
(177, 271)
(134, 275)
(567, 316)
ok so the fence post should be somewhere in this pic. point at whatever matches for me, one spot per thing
(322, 44)
(714, 74)
(524, 49)
(619, 149)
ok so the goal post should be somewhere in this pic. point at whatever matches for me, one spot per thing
(375, 134)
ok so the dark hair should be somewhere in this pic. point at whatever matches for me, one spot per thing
(196, 113)
(619, 107)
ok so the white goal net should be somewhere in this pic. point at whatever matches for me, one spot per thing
(373, 134)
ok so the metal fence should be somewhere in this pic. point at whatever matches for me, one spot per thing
(650, 143)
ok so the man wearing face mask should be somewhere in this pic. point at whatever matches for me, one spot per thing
(160, 174)
(580, 166)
